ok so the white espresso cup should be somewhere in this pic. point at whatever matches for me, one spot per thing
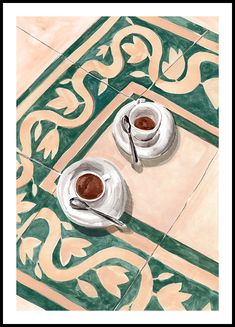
(146, 109)
(102, 178)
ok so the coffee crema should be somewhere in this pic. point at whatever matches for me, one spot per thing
(145, 123)
(89, 186)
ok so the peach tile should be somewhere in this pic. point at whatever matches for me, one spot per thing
(32, 58)
(58, 32)
(23, 305)
(209, 22)
(197, 226)
(160, 192)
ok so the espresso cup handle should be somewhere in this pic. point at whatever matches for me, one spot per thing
(106, 177)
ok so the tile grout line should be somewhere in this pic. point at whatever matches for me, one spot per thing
(38, 162)
(194, 190)
(174, 62)
(166, 233)
(72, 62)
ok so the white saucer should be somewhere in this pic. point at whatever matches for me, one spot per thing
(113, 202)
(153, 148)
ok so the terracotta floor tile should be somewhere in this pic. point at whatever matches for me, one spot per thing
(58, 32)
(197, 226)
(32, 58)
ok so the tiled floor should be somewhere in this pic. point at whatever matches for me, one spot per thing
(73, 75)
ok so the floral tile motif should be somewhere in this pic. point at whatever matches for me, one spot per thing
(173, 285)
(61, 114)
(30, 196)
(78, 264)
(192, 83)
(132, 49)
(92, 269)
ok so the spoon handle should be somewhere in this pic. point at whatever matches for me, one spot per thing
(104, 215)
(134, 156)
(114, 220)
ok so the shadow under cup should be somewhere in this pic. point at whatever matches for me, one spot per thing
(145, 110)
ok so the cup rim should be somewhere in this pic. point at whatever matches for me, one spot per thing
(84, 172)
(154, 108)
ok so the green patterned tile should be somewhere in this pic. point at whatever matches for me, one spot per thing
(30, 196)
(167, 289)
(194, 85)
(55, 121)
(131, 50)
(91, 268)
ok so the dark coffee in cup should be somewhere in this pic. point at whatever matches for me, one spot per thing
(145, 123)
(89, 186)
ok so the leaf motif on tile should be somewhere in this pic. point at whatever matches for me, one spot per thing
(103, 49)
(170, 297)
(174, 71)
(50, 143)
(34, 189)
(129, 21)
(137, 50)
(207, 307)
(138, 73)
(27, 247)
(72, 246)
(37, 271)
(87, 288)
(164, 276)
(67, 225)
(66, 99)
(111, 277)
(23, 206)
(65, 81)
(211, 89)
(21, 229)
(103, 86)
(38, 131)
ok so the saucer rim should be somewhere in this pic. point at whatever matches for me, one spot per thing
(126, 109)
(65, 211)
